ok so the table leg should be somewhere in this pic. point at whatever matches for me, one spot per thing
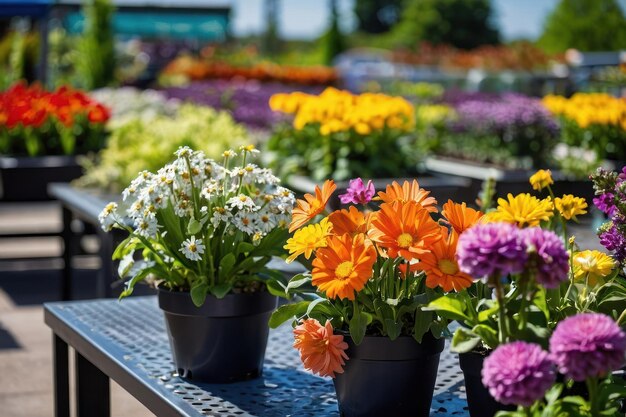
(61, 377)
(92, 390)
(68, 238)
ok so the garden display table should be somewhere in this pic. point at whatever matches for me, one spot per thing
(127, 342)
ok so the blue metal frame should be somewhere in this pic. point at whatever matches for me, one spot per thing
(32, 8)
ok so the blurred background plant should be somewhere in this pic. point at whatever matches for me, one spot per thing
(147, 143)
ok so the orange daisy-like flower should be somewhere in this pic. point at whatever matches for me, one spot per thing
(459, 216)
(408, 192)
(311, 206)
(441, 267)
(321, 351)
(405, 229)
(350, 221)
(343, 266)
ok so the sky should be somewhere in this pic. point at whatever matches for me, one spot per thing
(307, 19)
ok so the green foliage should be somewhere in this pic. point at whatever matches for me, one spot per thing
(464, 24)
(19, 52)
(333, 40)
(95, 64)
(586, 25)
(376, 16)
(148, 144)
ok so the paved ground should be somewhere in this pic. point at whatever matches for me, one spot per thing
(25, 341)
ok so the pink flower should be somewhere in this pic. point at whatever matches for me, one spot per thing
(358, 193)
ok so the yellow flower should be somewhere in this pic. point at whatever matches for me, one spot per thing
(523, 210)
(308, 239)
(570, 206)
(592, 266)
(541, 179)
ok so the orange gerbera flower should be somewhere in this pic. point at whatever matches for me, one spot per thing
(405, 229)
(321, 351)
(344, 266)
(408, 192)
(459, 216)
(311, 206)
(350, 221)
(441, 266)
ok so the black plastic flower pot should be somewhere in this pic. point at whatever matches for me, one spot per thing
(479, 401)
(385, 377)
(224, 340)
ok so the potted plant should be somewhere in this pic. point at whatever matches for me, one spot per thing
(360, 319)
(531, 278)
(205, 232)
(40, 134)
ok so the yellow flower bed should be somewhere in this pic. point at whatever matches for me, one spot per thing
(338, 110)
(589, 108)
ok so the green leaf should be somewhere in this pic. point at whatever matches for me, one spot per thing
(487, 334)
(125, 265)
(276, 288)
(423, 320)
(449, 307)
(198, 293)
(393, 328)
(554, 393)
(130, 285)
(226, 265)
(244, 247)
(194, 227)
(286, 312)
(358, 325)
(464, 341)
(539, 300)
(297, 281)
(313, 304)
(220, 290)
(122, 249)
(485, 315)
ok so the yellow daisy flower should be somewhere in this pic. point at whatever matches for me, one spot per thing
(592, 266)
(541, 179)
(570, 206)
(308, 239)
(523, 210)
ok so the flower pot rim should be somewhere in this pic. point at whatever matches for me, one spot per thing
(403, 348)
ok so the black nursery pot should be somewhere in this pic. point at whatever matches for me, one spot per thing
(224, 340)
(479, 401)
(385, 377)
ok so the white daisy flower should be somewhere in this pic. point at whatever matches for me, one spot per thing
(192, 249)
(245, 222)
(183, 208)
(183, 151)
(108, 217)
(209, 189)
(266, 221)
(220, 214)
(242, 201)
(146, 227)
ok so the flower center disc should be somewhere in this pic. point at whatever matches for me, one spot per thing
(448, 267)
(344, 270)
(405, 240)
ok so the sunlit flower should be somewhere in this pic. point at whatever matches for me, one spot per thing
(308, 239)
(592, 266)
(523, 210)
(570, 206)
(108, 216)
(404, 229)
(350, 221)
(192, 248)
(241, 201)
(311, 206)
(441, 267)
(459, 216)
(541, 179)
(321, 351)
(358, 193)
(408, 191)
(343, 267)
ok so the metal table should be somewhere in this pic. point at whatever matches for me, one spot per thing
(127, 341)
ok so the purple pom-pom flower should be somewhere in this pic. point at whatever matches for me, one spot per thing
(548, 257)
(518, 373)
(358, 193)
(491, 248)
(587, 345)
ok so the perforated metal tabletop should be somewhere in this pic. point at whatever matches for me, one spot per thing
(127, 341)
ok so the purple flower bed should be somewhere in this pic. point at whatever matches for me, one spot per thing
(246, 100)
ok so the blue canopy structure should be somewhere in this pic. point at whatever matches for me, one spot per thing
(28, 8)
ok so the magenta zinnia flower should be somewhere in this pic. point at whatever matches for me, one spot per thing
(518, 373)
(548, 257)
(491, 248)
(358, 193)
(587, 345)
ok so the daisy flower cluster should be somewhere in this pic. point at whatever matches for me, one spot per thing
(369, 266)
(199, 218)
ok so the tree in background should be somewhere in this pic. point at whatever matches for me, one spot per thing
(271, 41)
(333, 40)
(465, 24)
(95, 64)
(587, 25)
(377, 16)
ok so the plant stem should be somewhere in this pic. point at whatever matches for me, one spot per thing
(502, 330)
(592, 386)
